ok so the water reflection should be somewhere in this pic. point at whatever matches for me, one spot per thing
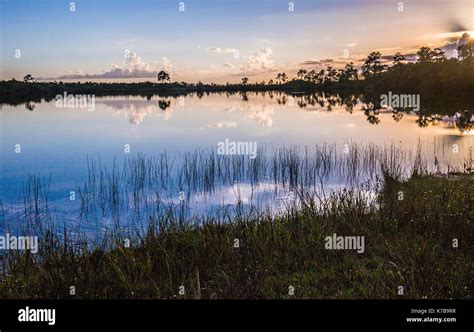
(137, 110)
(58, 142)
(446, 114)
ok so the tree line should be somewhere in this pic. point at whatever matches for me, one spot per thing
(432, 73)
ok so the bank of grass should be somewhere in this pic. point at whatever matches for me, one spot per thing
(408, 243)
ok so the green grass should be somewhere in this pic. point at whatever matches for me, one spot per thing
(408, 243)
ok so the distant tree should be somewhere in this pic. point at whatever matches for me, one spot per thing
(321, 76)
(311, 76)
(438, 55)
(163, 76)
(28, 78)
(281, 77)
(425, 54)
(332, 74)
(270, 82)
(301, 74)
(348, 73)
(245, 80)
(372, 65)
(398, 59)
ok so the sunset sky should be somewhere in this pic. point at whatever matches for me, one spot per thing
(215, 40)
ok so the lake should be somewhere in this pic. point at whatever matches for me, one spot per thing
(134, 157)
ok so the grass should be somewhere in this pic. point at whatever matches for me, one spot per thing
(408, 243)
(145, 182)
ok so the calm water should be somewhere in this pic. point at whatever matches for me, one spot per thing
(56, 143)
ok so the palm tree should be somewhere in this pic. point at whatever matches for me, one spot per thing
(321, 76)
(311, 76)
(284, 77)
(245, 80)
(332, 74)
(301, 74)
(278, 78)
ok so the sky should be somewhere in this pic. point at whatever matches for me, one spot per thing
(215, 40)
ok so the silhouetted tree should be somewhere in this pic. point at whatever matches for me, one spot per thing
(425, 54)
(331, 74)
(28, 78)
(372, 65)
(311, 76)
(348, 73)
(301, 74)
(465, 50)
(321, 76)
(163, 76)
(245, 80)
(438, 55)
(398, 59)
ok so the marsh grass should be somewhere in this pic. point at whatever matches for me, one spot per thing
(145, 186)
(408, 242)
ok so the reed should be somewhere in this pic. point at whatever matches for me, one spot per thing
(249, 251)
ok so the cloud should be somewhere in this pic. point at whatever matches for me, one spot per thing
(256, 63)
(316, 62)
(450, 47)
(351, 44)
(222, 50)
(132, 67)
(259, 61)
(166, 64)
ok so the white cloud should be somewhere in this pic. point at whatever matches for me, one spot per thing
(133, 63)
(132, 67)
(451, 47)
(166, 64)
(260, 60)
